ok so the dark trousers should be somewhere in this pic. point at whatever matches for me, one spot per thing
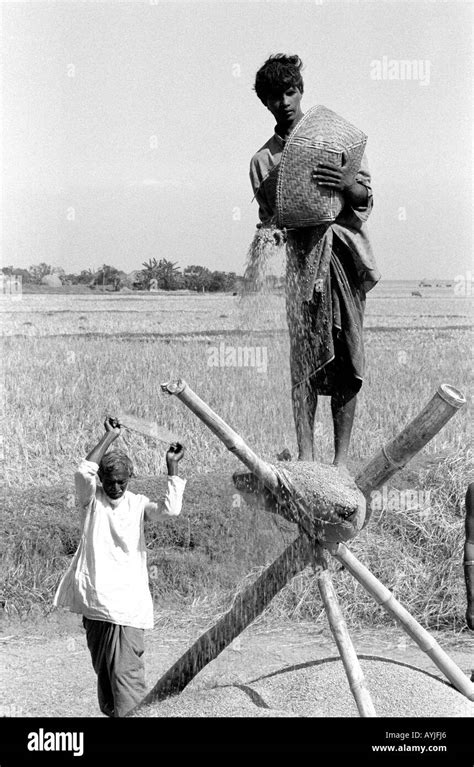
(117, 658)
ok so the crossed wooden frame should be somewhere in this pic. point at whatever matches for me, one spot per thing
(309, 549)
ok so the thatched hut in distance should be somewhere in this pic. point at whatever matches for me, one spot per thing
(134, 280)
(52, 281)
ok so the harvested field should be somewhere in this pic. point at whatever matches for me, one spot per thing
(70, 359)
(146, 314)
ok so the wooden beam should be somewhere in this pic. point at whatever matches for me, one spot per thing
(385, 598)
(346, 649)
(226, 434)
(395, 454)
(247, 606)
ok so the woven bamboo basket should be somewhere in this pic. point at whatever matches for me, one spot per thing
(320, 136)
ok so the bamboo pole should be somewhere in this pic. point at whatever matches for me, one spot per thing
(291, 508)
(346, 649)
(396, 453)
(248, 605)
(226, 434)
(424, 640)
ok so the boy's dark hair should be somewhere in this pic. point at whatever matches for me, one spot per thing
(277, 74)
(116, 459)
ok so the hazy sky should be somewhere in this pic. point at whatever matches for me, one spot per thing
(129, 126)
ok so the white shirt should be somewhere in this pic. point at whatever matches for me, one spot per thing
(108, 579)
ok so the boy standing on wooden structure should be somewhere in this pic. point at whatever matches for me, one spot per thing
(107, 580)
(326, 344)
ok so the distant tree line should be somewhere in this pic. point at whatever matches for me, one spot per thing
(155, 275)
(166, 275)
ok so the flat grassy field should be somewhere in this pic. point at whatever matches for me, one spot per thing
(68, 360)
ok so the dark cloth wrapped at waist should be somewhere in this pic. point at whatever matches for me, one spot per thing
(325, 310)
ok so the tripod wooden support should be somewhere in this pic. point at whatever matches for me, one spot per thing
(333, 511)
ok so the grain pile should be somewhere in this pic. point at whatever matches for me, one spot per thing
(320, 689)
(396, 690)
(218, 702)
